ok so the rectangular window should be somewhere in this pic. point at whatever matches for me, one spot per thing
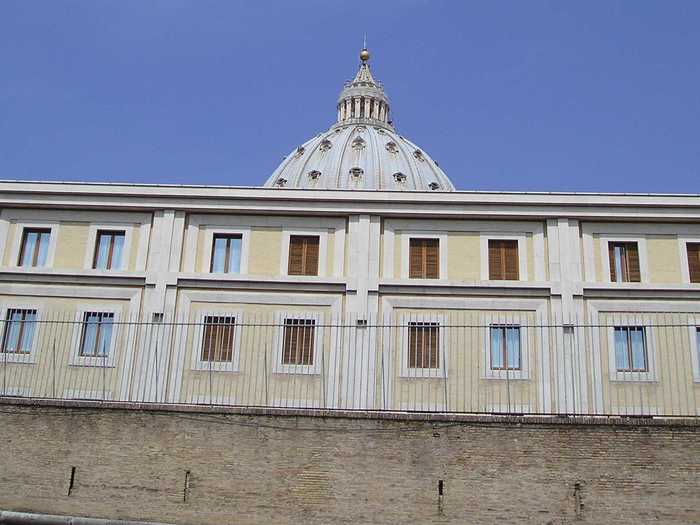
(503, 260)
(424, 258)
(299, 342)
(423, 345)
(96, 335)
(20, 326)
(624, 262)
(217, 343)
(226, 253)
(505, 348)
(630, 349)
(35, 247)
(109, 246)
(303, 255)
(693, 249)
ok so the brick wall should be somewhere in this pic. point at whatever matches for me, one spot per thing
(133, 464)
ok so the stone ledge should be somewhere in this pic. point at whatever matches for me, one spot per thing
(486, 419)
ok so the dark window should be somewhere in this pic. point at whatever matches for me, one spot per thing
(503, 260)
(694, 261)
(299, 335)
(217, 343)
(624, 262)
(303, 255)
(424, 259)
(423, 345)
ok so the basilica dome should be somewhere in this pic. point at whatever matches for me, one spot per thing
(362, 150)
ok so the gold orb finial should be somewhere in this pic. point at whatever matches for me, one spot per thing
(364, 55)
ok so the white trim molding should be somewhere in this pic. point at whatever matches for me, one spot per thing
(322, 234)
(315, 368)
(12, 357)
(209, 232)
(683, 254)
(407, 235)
(90, 250)
(107, 361)
(405, 372)
(650, 348)
(484, 239)
(218, 366)
(523, 373)
(20, 226)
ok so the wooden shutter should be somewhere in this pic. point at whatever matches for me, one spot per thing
(217, 342)
(423, 345)
(503, 260)
(424, 259)
(632, 257)
(299, 337)
(694, 261)
(611, 258)
(303, 255)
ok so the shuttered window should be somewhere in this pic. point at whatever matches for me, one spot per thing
(423, 345)
(303, 255)
(624, 262)
(424, 259)
(217, 343)
(299, 335)
(503, 260)
(694, 261)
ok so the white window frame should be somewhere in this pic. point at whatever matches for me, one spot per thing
(525, 354)
(322, 234)
(695, 350)
(31, 357)
(683, 252)
(19, 235)
(209, 233)
(92, 247)
(218, 366)
(406, 237)
(614, 374)
(484, 239)
(93, 361)
(440, 372)
(605, 241)
(278, 366)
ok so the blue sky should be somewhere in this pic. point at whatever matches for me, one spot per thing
(541, 96)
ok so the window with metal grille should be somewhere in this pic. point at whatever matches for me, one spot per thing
(505, 347)
(630, 349)
(299, 342)
(503, 260)
(423, 345)
(217, 343)
(226, 253)
(96, 335)
(109, 246)
(424, 258)
(35, 247)
(693, 249)
(624, 262)
(303, 255)
(20, 326)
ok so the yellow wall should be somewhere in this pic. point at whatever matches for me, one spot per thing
(463, 257)
(71, 245)
(265, 251)
(664, 260)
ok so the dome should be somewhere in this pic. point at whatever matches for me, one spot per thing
(362, 150)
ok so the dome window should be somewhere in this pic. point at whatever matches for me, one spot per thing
(356, 172)
(434, 186)
(325, 145)
(299, 152)
(399, 177)
(314, 174)
(358, 143)
(281, 182)
(380, 131)
(418, 154)
(391, 147)
(360, 129)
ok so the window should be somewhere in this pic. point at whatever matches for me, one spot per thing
(35, 247)
(109, 247)
(303, 255)
(624, 262)
(423, 345)
(424, 259)
(96, 335)
(218, 339)
(693, 249)
(20, 326)
(299, 340)
(505, 348)
(226, 253)
(630, 349)
(503, 259)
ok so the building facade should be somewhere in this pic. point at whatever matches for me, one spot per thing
(356, 277)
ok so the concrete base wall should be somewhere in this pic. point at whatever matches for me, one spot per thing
(197, 468)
